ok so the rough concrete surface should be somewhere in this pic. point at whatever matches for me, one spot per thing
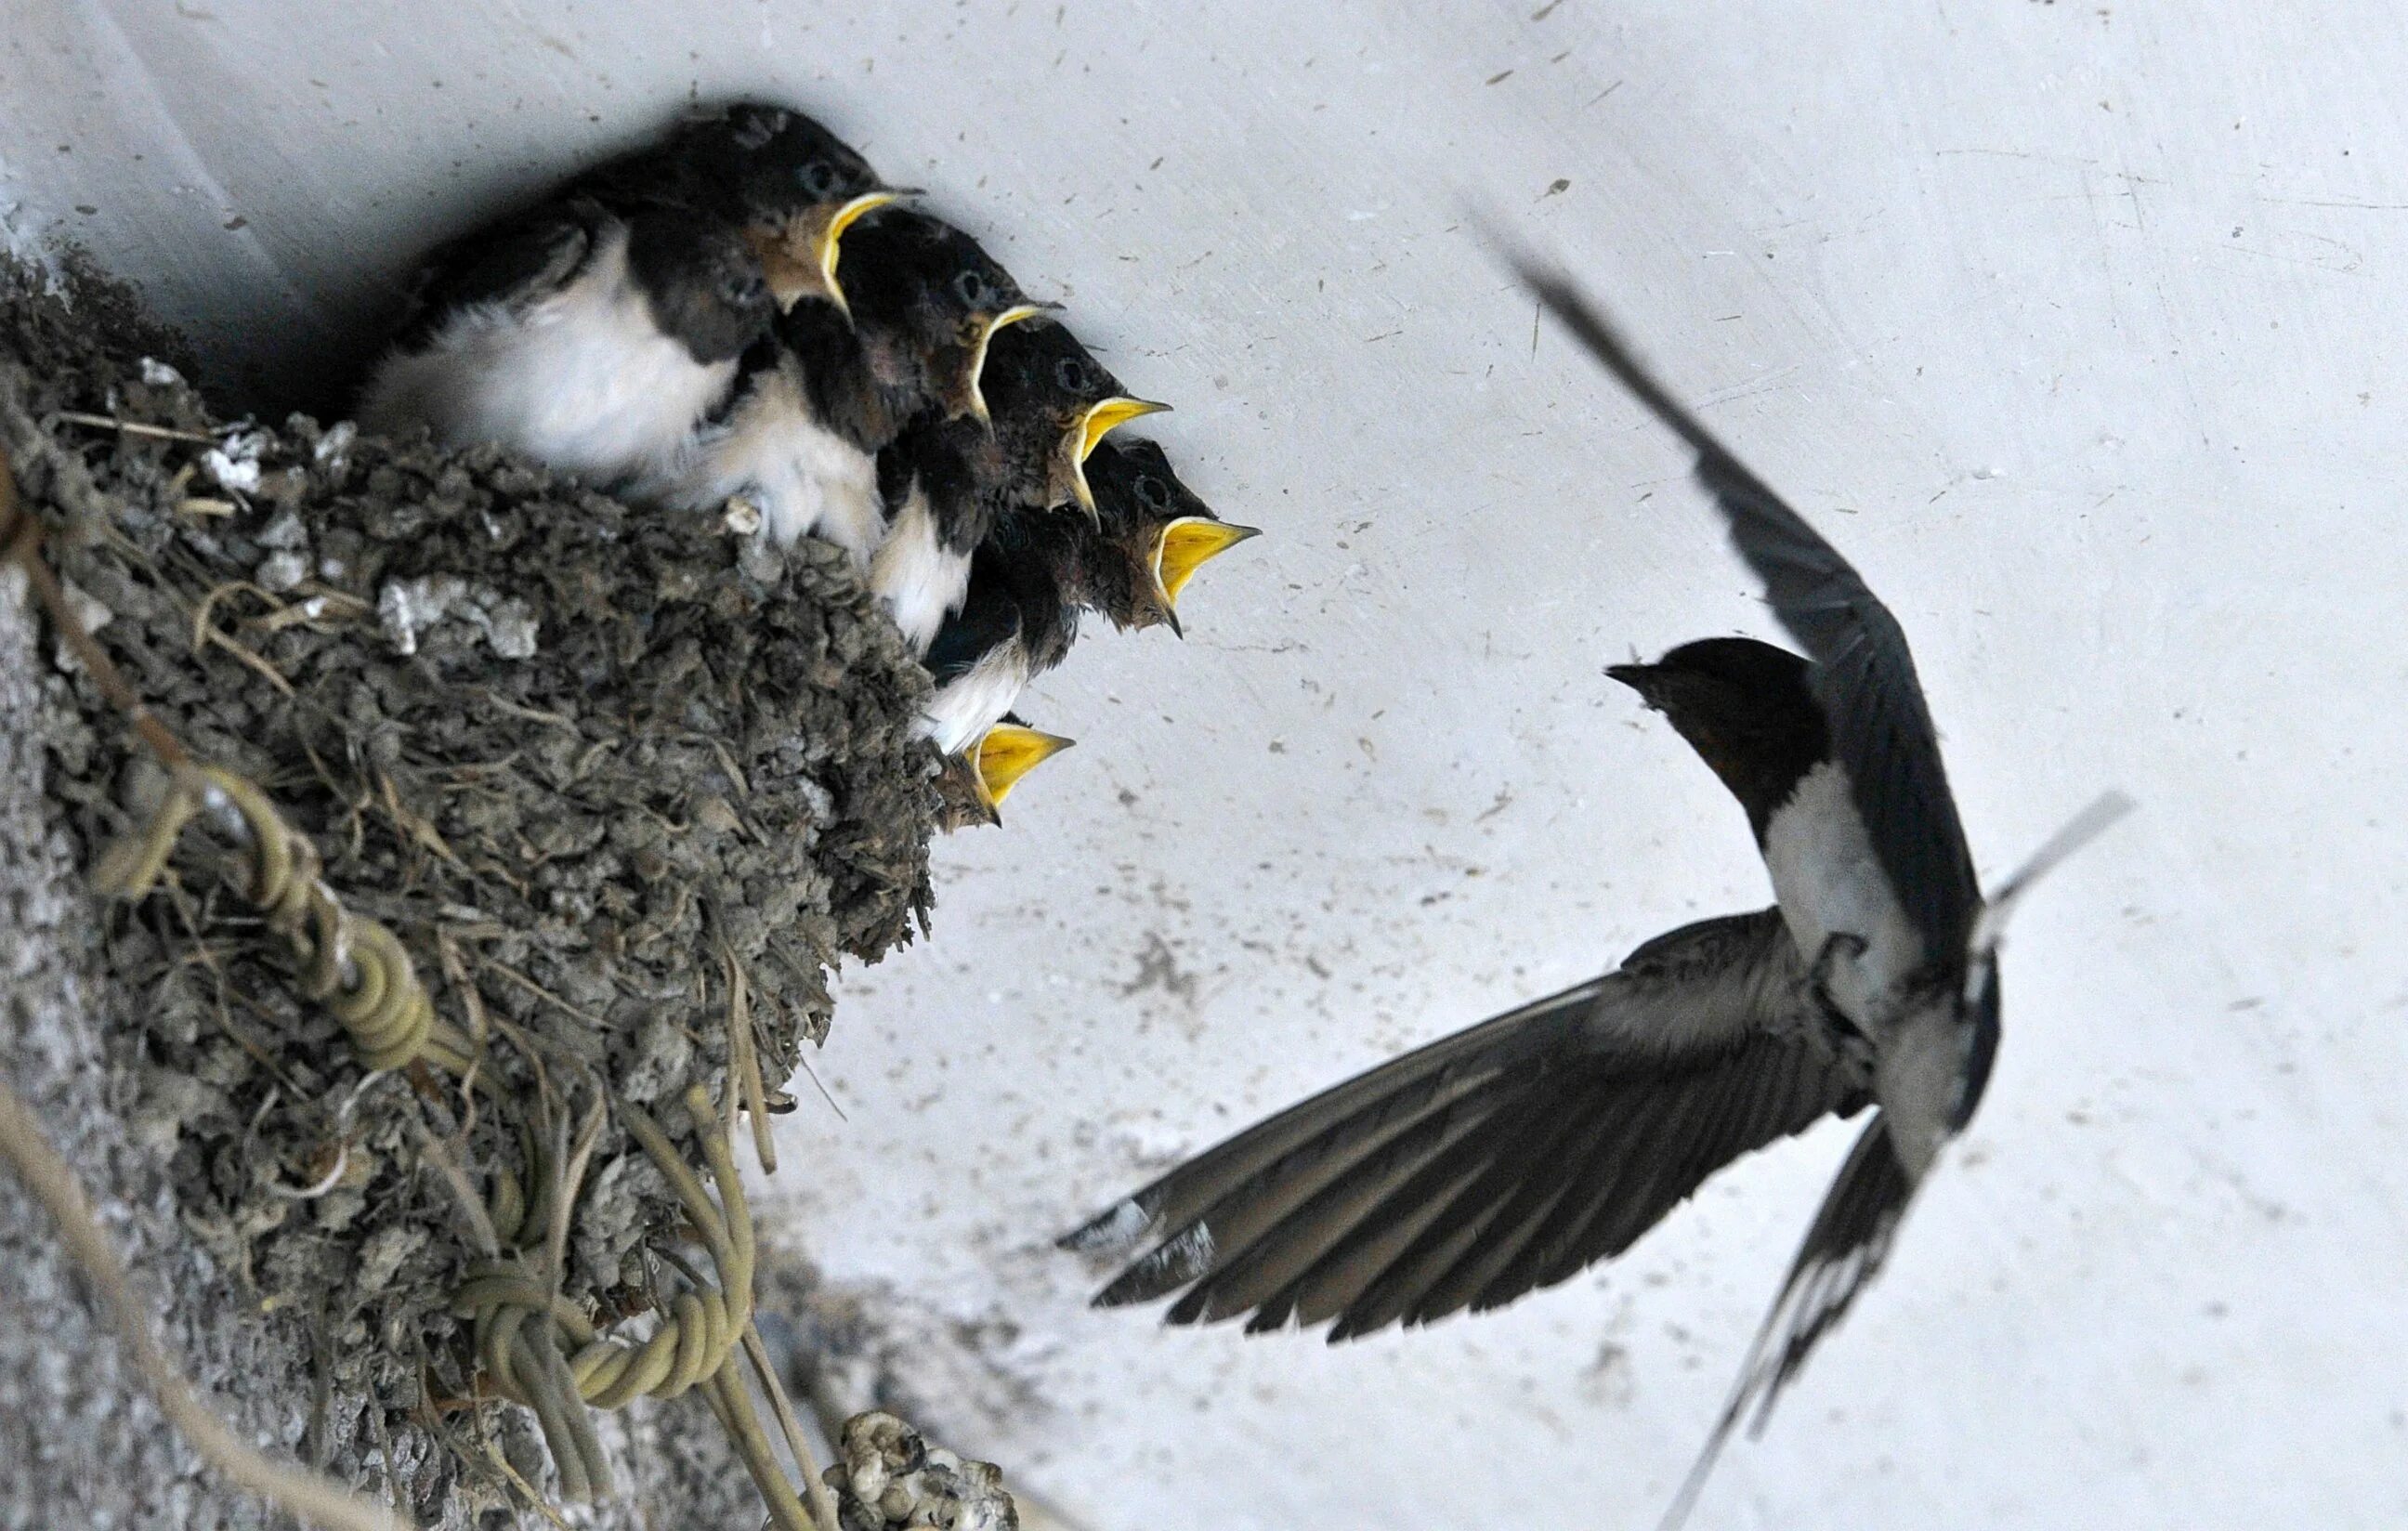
(2075, 324)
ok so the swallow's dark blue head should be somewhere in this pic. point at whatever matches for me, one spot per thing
(926, 297)
(704, 284)
(1747, 708)
(786, 185)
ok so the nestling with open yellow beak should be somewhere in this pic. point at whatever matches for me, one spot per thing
(1036, 573)
(949, 483)
(1151, 534)
(592, 332)
(833, 385)
(975, 780)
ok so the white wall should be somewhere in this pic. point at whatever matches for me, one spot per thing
(2076, 325)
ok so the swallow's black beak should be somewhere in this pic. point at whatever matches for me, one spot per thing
(1638, 677)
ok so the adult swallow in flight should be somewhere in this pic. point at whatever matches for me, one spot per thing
(974, 782)
(1514, 1154)
(828, 390)
(949, 483)
(592, 332)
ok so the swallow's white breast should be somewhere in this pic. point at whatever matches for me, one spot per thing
(582, 380)
(1829, 883)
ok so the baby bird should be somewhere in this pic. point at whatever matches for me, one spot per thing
(948, 483)
(971, 787)
(1034, 576)
(825, 393)
(591, 332)
(1151, 534)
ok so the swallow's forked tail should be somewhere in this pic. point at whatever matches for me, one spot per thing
(2079, 831)
(1850, 1237)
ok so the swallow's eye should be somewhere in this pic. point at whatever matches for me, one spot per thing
(972, 289)
(1071, 374)
(1152, 491)
(742, 289)
(818, 178)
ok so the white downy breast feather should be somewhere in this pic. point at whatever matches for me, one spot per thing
(583, 380)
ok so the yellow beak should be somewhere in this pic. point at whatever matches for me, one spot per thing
(1010, 751)
(823, 246)
(1101, 417)
(1092, 426)
(978, 353)
(1187, 545)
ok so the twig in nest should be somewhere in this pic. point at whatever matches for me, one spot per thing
(205, 632)
(517, 1480)
(495, 965)
(133, 427)
(744, 1062)
(309, 1495)
(318, 608)
(531, 714)
(472, 1206)
(21, 542)
(416, 828)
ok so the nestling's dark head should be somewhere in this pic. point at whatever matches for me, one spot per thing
(787, 184)
(974, 782)
(772, 160)
(928, 302)
(1746, 708)
(1151, 534)
(704, 284)
(1051, 403)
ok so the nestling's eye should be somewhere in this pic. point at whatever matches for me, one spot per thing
(972, 289)
(1073, 375)
(818, 177)
(1153, 493)
(742, 289)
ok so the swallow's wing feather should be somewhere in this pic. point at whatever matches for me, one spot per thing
(512, 265)
(1506, 1157)
(1850, 1237)
(988, 618)
(1864, 676)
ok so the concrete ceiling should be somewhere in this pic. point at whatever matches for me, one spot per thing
(2074, 325)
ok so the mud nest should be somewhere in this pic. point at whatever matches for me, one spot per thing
(626, 784)
(888, 1478)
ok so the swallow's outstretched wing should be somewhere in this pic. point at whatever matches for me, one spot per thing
(1865, 679)
(1506, 1158)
